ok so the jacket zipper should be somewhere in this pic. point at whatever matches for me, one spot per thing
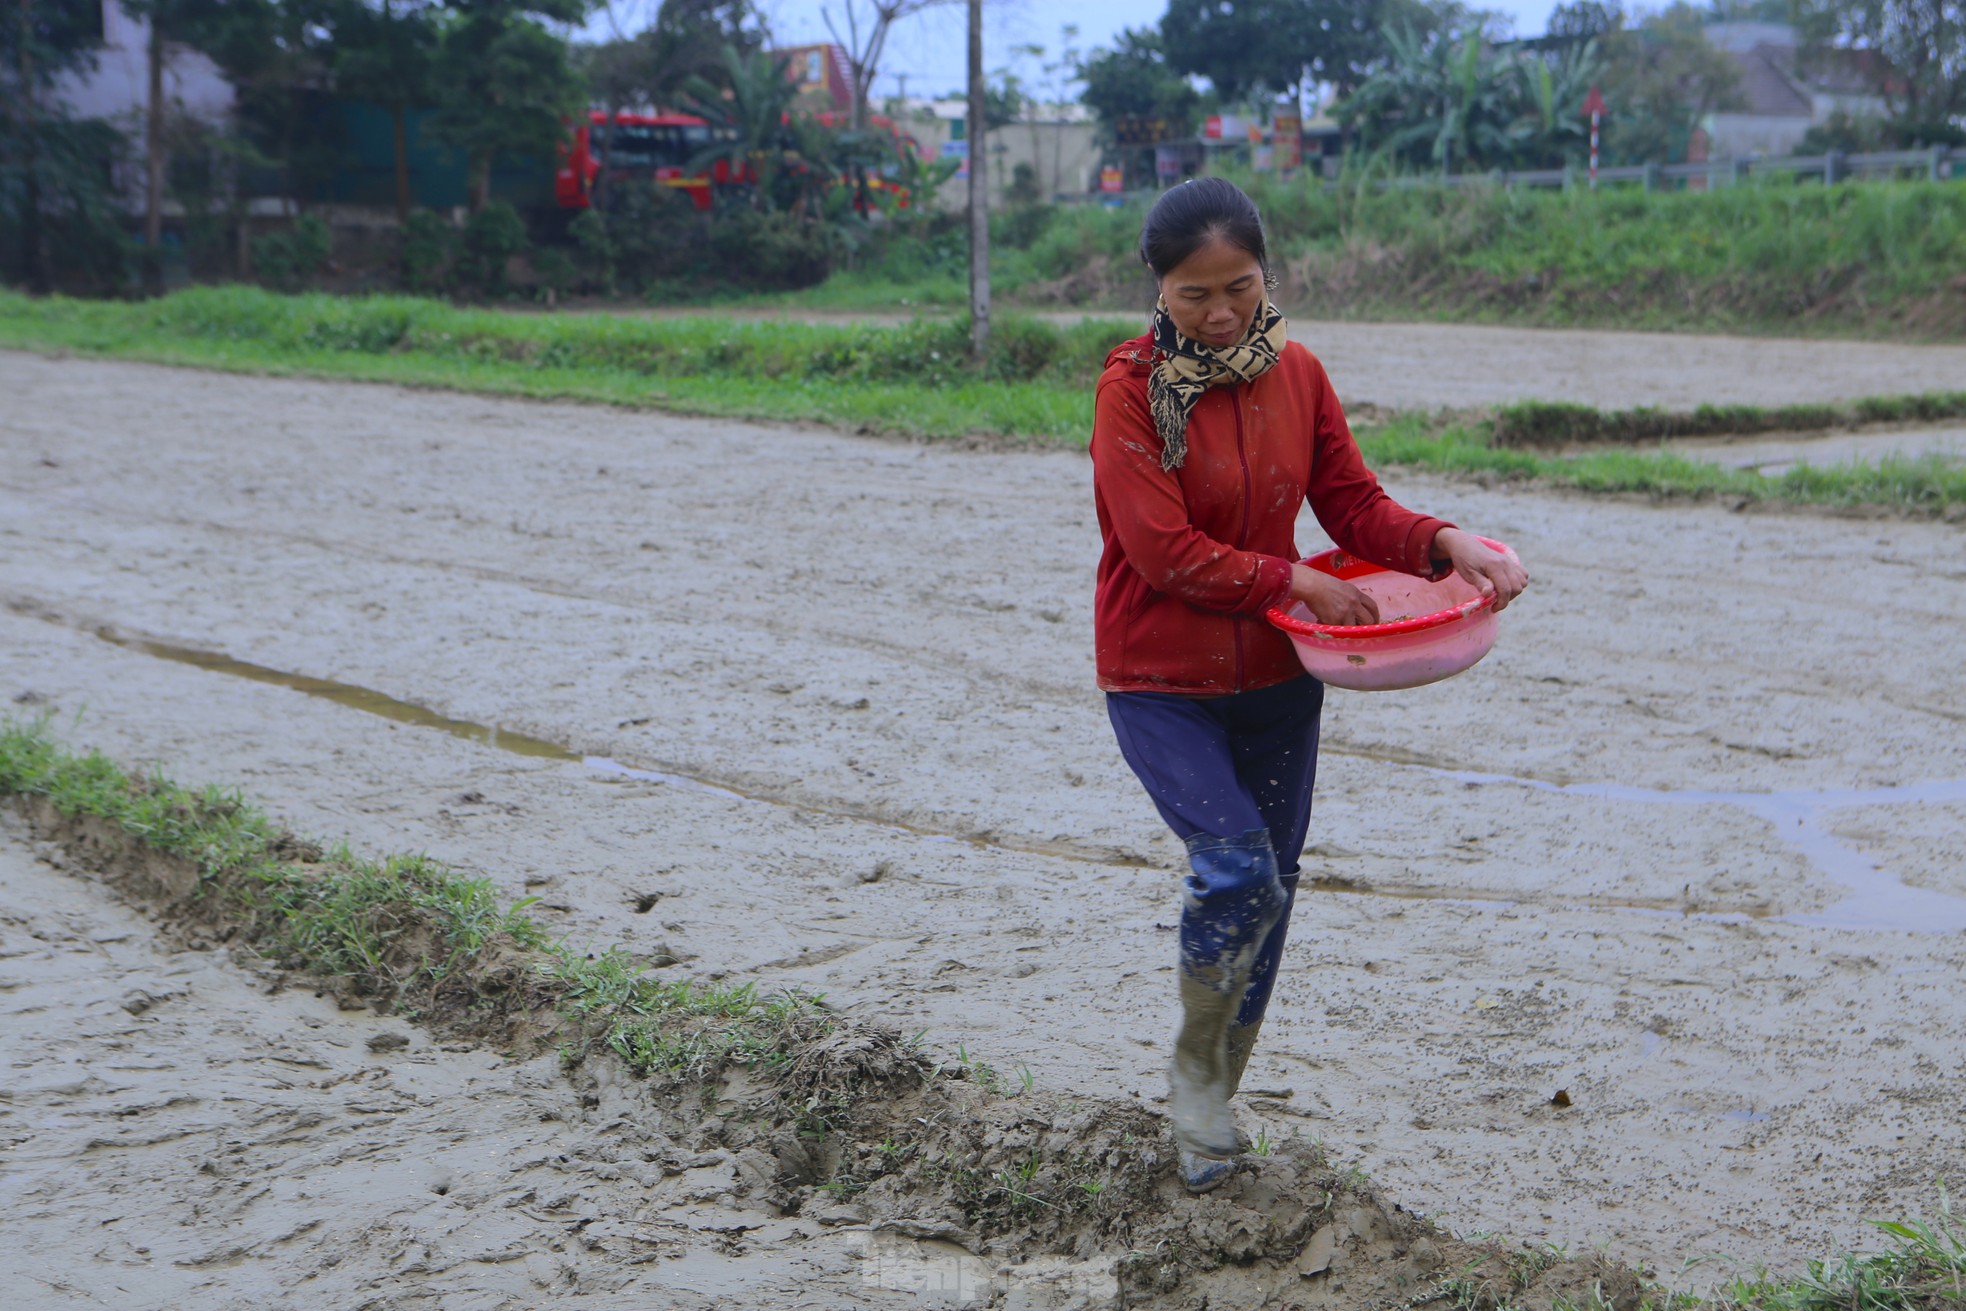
(1242, 537)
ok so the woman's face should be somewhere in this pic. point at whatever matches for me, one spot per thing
(1212, 294)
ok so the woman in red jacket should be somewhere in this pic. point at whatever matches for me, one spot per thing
(1210, 432)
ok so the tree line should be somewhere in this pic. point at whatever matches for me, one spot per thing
(1422, 85)
(1439, 85)
(494, 79)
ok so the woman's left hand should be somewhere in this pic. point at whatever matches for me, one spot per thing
(1496, 573)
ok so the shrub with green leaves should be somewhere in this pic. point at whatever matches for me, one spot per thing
(429, 246)
(490, 239)
(291, 259)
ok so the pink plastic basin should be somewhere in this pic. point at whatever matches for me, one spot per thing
(1431, 630)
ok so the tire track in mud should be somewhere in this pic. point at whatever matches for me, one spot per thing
(978, 675)
(372, 702)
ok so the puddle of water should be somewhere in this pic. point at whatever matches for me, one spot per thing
(604, 765)
(1667, 908)
(347, 694)
(937, 1273)
(1879, 900)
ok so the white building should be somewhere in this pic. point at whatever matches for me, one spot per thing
(118, 87)
(1059, 142)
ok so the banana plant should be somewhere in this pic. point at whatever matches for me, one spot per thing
(752, 120)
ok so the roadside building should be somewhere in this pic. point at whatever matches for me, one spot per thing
(118, 87)
(1782, 96)
(1053, 149)
(820, 71)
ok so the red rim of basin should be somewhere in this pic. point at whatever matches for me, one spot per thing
(1341, 565)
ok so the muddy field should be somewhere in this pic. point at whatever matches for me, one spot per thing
(1689, 846)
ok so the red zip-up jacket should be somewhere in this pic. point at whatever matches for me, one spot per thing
(1194, 556)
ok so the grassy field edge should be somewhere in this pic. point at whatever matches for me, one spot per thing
(914, 381)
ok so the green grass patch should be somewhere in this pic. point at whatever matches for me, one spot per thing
(406, 932)
(1863, 257)
(1925, 485)
(914, 378)
(1923, 1269)
(1556, 423)
(1876, 258)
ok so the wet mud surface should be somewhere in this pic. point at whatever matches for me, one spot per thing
(852, 681)
(1776, 455)
(1460, 365)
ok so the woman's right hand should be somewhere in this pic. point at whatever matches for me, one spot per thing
(1332, 600)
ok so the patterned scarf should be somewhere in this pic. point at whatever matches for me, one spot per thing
(1185, 368)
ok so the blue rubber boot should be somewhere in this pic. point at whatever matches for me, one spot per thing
(1231, 900)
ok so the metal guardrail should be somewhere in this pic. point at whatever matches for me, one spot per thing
(1938, 164)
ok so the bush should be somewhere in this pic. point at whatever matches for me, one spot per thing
(655, 235)
(554, 271)
(770, 251)
(593, 252)
(491, 238)
(429, 246)
(289, 260)
(1020, 226)
(81, 219)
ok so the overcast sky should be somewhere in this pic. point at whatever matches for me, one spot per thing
(928, 47)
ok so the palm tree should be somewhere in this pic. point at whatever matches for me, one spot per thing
(750, 118)
(1554, 93)
(1439, 102)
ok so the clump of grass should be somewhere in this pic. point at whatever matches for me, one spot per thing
(1924, 1269)
(407, 931)
(1923, 485)
(1556, 423)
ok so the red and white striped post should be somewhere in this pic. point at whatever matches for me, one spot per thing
(1594, 106)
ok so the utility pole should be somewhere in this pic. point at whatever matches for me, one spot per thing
(153, 143)
(34, 250)
(979, 196)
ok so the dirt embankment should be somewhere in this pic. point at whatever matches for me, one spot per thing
(854, 678)
(952, 1188)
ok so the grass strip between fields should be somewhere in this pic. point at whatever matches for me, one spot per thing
(416, 937)
(404, 932)
(1556, 423)
(914, 380)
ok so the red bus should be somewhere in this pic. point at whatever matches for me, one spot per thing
(658, 148)
(653, 147)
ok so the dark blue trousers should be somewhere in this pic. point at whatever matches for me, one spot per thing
(1224, 766)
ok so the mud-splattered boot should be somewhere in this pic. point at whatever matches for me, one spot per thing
(1202, 1174)
(1262, 978)
(1230, 901)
